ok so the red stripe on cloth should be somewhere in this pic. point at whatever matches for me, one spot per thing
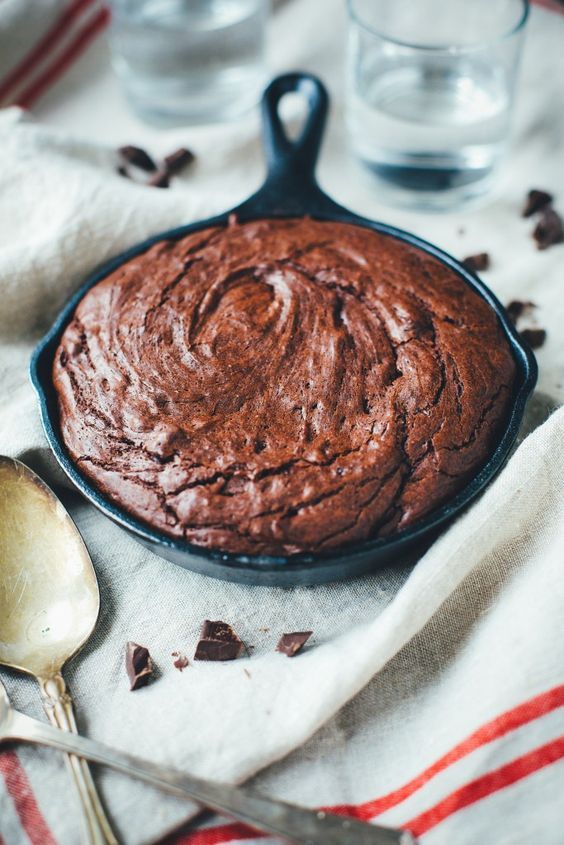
(503, 724)
(487, 785)
(43, 46)
(27, 808)
(29, 95)
(495, 729)
(218, 835)
(553, 5)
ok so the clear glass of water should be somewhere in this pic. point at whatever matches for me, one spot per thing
(430, 88)
(189, 61)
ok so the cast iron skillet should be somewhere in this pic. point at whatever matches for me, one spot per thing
(290, 190)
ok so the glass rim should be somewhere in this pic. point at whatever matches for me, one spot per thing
(442, 48)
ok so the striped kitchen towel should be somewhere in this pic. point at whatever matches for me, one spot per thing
(430, 697)
(40, 41)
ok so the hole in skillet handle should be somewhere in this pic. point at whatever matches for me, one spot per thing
(290, 188)
(299, 155)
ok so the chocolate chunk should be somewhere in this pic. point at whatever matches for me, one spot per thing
(290, 644)
(534, 337)
(138, 158)
(517, 309)
(160, 179)
(480, 261)
(535, 201)
(138, 664)
(218, 641)
(181, 661)
(178, 160)
(549, 230)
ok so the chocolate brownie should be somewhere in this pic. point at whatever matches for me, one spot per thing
(282, 386)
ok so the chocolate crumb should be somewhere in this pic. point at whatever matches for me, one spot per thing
(123, 171)
(181, 661)
(160, 179)
(480, 261)
(137, 157)
(291, 644)
(549, 230)
(218, 641)
(247, 673)
(536, 200)
(517, 309)
(534, 337)
(138, 664)
(178, 160)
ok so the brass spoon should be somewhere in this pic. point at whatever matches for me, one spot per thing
(49, 604)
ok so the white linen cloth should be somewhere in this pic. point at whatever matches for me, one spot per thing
(472, 631)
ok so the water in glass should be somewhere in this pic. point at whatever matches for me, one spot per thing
(430, 92)
(190, 60)
(431, 125)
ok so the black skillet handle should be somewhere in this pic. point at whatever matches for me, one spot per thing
(290, 187)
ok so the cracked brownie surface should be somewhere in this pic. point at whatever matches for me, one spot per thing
(282, 385)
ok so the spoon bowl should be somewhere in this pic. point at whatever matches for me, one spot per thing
(49, 605)
(49, 597)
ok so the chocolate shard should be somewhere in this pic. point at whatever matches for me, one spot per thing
(137, 157)
(181, 661)
(178, 160)
(549, 230)
(536, 200)
(475, 263)
(138, 664)
(218, 641)
(159, 179)
(290, 644)
(517, 309)
(534, 337)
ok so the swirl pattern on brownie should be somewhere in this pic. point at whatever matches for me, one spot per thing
(282, 386)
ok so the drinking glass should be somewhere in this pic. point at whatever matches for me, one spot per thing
(430, 88)
(189, 61)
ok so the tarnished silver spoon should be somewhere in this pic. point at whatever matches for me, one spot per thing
(296, 824)
(49, 604)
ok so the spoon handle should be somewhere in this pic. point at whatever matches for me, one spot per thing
(58, 706)
(296, 824)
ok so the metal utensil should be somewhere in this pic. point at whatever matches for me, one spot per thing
(296, 824)
(49, 603)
